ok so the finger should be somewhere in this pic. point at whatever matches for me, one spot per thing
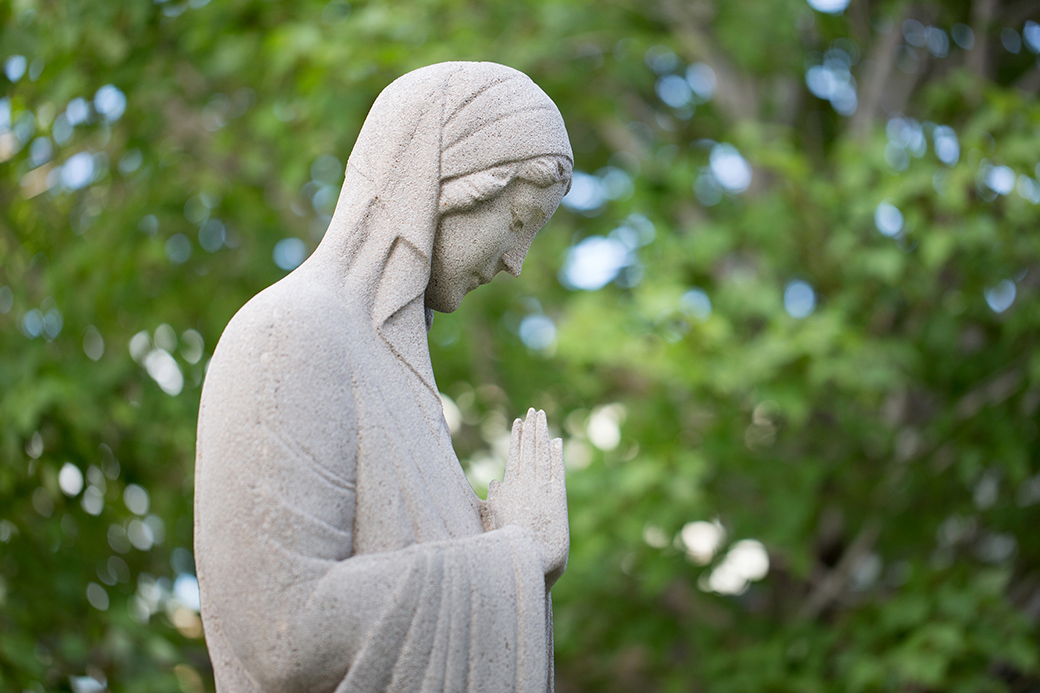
(556, 454)
(513, 458)
(541, 445)
(528, 447)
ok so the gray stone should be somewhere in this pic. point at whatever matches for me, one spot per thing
(339, 545)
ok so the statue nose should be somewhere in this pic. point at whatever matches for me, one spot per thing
(511, 265)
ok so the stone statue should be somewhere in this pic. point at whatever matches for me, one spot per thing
(339, 545)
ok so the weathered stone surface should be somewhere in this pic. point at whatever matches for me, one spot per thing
(339, 546)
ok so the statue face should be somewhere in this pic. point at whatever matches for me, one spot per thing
(471, 247)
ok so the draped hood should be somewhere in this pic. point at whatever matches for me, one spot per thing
(431, 125)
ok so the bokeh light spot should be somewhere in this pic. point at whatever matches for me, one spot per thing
(616, 183)
(149, 224)
(701, 540)
(163, 369)
(110, 102)
(1031, 34)
(289, 253)
(78, 170)
(93, 501)
(1027, 188)
(178, 249)
(661, 59)
(799, 299)
(999, 179)
(604, 426)
(14, 67)
(40, 151)
(702, 81)
(78, 111)
(192, 346)
(1001, 296)
(829, 6)
(730, 169)
(654, 536)
(32, 324)
(538, 332)
(93, 343)
(888, 219)
(53, 321)
(97, 596)
(914, 32)
(674, 91)
(750, 558)
(938, 42)
(586, 193)
(707, 189)
(1011, 40)
(594, 262)
(947, 147)
(136, 499)
(212, 235)
(186, 591)
(130, 161)
(327, 169)
(139, 534)
(963, 36)
(70, 479)
(696, 304)
(196, 210)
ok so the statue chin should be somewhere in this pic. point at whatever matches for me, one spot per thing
(442, 301)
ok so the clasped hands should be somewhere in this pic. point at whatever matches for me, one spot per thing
(533, 493)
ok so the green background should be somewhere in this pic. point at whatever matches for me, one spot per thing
(880, 449)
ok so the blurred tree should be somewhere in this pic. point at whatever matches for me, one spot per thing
(786, 322)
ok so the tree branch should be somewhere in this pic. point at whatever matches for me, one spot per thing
(879, 66)
(982, 14)
(834, 582)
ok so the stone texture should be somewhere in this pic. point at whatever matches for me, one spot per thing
(338, 543)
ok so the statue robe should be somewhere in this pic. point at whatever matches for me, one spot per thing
(344, 547)
(338, 544)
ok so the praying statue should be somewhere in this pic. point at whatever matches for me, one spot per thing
(339, 545)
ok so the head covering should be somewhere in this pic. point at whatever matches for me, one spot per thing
(433, 124)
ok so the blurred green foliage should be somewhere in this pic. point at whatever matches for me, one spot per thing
(833, 364)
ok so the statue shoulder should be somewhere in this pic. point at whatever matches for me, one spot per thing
(291, 336)
(293, 316)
